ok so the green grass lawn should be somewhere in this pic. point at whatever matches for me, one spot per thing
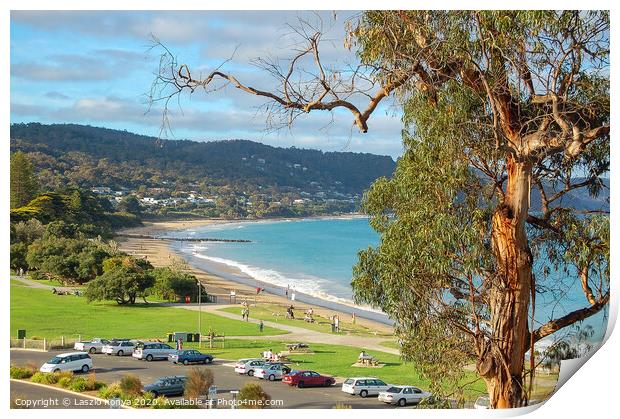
(322, 324)
(336, 360)
(46, 315)
(390, 344)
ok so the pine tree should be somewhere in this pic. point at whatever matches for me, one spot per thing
(24, 184)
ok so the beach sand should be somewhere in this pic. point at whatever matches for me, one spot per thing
(160, 254)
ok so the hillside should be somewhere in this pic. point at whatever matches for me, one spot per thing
(90, 156)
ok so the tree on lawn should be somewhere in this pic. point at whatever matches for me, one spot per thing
(23, 182)
(500, 110)
(123, 280)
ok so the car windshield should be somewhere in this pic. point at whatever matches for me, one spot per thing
(55, 360)
(394, 390)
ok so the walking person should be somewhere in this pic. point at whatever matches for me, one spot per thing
(261, 326)
(337, 323)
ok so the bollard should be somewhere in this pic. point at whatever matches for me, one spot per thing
(62, 342)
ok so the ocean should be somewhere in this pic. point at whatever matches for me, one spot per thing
(313, 258)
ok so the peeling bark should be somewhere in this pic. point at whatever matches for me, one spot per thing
(502, 366)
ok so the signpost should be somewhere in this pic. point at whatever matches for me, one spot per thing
(199, 315)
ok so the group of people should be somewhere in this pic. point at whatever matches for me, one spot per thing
(308, 317)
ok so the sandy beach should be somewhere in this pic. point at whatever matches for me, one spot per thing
(160, 254)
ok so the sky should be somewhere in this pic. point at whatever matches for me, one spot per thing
(96, 68)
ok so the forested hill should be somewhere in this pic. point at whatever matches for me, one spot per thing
(90, 156)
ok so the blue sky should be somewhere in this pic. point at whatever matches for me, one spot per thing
(95, 67)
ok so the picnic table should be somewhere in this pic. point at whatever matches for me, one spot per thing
(368, 360)
(297, 346)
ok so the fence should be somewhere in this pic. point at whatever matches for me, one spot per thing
(43, 344)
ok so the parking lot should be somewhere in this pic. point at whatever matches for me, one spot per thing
(112, 368)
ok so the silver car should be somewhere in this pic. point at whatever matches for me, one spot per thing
(119, 348)
(403, 395)
(91, 346)
(271, 372)
(152, 350)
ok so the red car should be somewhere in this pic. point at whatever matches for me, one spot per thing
(303, 379)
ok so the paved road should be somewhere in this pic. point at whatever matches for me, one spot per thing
(111, 368)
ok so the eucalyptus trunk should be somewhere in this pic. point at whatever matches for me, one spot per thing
(503, 361)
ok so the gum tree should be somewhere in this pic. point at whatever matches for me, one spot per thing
(500, 110)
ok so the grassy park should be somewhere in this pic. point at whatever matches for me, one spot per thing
(277, 314)
(46, 315)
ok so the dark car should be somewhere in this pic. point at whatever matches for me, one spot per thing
(303, 379)
(190, 356)
(167, 386)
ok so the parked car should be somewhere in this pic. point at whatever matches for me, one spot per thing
(482, 402)
(402, 395)
(119, 348)
(72, 361)
(173, 385)
(91, 346)
(152, 350)
(303, 379)
(190, 356)
(248, 365)
(364, 386)
(272, 371)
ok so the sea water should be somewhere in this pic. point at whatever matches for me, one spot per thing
(315, 257)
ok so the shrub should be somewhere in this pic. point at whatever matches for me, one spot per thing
(252, 396)
(110, 392)
(63, 374)
(92, 384)
(44, 378)
(78, 384)
(198, 382)
(64, 382)
(21, 373)
(130, 386)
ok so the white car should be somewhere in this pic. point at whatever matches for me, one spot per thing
(152, 350)
(364, 386)
(122, 348)
(403, 395)
(72, 361)
(248, 365)
(91, 346)
(271, 372)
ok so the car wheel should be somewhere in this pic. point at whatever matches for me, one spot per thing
(272, 377)
(85, 368)
(327, 383)
(301, 384)
(185, 362)
(251, 373)
(155, 394)
(119, 353)
(92, 350)
(57, 370)
(149, 358)
(402, 402)
(210, 361)
(364, 393)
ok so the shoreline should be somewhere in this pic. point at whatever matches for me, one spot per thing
(221, 280)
